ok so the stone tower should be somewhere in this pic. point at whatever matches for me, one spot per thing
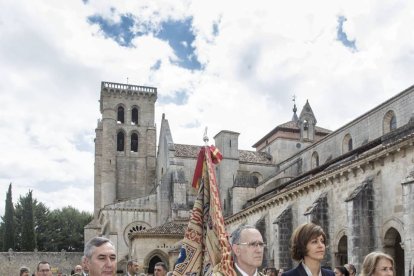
(228, 144)
(125, 144)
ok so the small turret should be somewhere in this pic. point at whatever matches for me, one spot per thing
(307, 123)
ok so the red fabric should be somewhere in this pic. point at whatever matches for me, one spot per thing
(205, 248)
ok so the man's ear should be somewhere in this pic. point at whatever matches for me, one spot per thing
(236, 249)
(87, 263)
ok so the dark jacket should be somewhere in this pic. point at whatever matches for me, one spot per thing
(300, 271)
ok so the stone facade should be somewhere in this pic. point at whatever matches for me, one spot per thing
(356, 182)
(63, 261)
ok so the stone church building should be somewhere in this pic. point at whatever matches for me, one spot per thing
(357, 182)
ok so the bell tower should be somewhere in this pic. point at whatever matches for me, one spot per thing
(307, 123)
(125, 144)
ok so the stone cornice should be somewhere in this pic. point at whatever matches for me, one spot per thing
(364, 162)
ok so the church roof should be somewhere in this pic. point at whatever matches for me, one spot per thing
(247, 156)
(182, 150)
(291, 126)
(170, 228)
(255, 157)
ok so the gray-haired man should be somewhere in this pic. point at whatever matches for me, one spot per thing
(248, 248)
(100, 257)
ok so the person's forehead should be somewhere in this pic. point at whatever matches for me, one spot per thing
(104, 249)
(384, 261)
(250, 234)
(43, 266)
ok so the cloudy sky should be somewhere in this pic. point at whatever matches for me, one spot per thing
(231, 65)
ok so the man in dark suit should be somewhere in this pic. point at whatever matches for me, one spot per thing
(247, 248)
(132, 268)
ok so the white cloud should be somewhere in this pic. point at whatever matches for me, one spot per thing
(52, 62)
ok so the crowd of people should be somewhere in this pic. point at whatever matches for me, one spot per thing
(308, 248)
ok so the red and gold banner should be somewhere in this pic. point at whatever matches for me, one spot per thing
(205, 249)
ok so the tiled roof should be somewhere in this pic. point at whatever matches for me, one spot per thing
(293, 125)
(169, 228)
(186, 150)
(255, 157)
(245, 155)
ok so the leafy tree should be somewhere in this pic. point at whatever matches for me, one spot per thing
(28, 237)
(66, 229)
(1, 233)
(40, 217)
(54, 230)
(8, 234)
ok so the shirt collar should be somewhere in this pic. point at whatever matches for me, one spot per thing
(308, 270)
(244, 273)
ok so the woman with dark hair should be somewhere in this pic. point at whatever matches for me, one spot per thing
(341, 271)
(308, 245)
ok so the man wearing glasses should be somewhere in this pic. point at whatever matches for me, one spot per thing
(248, 247)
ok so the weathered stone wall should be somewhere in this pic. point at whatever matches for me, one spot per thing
(10, 262)
(363, 129)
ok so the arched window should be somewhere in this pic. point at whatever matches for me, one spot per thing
(255, 178)
(134, 116)
(120, 117)
(134, 142)
(347, 144)
(315, 160)
(389, 122)
(120, 141)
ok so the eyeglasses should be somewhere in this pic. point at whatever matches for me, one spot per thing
(254, 244)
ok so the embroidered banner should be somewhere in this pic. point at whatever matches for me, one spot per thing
(205, 249)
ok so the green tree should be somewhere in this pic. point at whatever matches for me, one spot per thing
(40, 216)
(54, 230)
(28, 237)
(1, 233)
(66, 229)
(8, 234)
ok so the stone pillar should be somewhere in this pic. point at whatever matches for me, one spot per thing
(361, 224)
(284, 232)
(408, 220)
(319, 214)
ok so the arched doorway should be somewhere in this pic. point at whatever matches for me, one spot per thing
(342, 254)
(152, 263)
(392, 246)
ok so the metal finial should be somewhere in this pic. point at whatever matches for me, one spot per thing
(127, 81)
(294, 104)
(205, 137)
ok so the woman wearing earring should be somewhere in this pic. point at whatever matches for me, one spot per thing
(308, 245)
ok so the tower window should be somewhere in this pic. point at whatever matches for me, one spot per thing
(134, 142)
(389, 122)
(134, 116)
(347, 143)
(350, 144)
(315, 160)
(120, 117)
(120, 141)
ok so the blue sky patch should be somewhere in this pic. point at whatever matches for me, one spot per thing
(178, 34)
(179, 98)
(341, 35)
(180, 37)
(120, 31)
(156, 65)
